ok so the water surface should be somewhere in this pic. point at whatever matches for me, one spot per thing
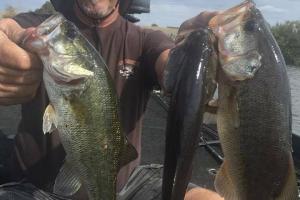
(294, 76)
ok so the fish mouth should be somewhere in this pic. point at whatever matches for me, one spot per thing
(236, 30)
(36, 40)
(49, 25)
(229, 24)
(232, 24)
(228, 19)
(40, 41)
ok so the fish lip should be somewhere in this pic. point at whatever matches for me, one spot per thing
(36, 40)
(50, 24)
(237, 13)
(228, 22)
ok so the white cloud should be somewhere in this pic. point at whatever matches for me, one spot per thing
(270, 8)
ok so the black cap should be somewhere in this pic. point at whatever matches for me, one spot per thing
(62, 5)
(126, 6)
(138, 7)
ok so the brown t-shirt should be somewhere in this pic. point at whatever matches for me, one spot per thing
(130, 53)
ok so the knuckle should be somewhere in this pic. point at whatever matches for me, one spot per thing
(3, 38)
(6, 22)
(24, 62)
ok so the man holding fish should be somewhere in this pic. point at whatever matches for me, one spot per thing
(135, 57)
(86, 143)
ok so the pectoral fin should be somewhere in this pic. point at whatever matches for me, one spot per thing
(67, 183)
(49, 120)
(129, 154)
(223, 185)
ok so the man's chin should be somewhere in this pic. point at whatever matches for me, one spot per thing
(95, 15)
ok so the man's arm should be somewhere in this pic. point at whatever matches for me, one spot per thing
(201, 194)
(160, 65)
(20, 70)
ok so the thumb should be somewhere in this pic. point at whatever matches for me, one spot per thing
(12, 52)
(18, 35)
(13, 31)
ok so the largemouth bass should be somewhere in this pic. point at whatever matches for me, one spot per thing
(254, 114)
(190, 76)
(83, 107)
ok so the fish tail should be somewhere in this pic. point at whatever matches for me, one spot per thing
(290, 190)
(67, 182)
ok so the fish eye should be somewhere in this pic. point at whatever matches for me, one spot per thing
(250, 26)
(71, 33)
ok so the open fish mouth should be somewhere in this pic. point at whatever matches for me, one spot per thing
(235, 27)
(37, 38)
(232, 16)
(57, 52)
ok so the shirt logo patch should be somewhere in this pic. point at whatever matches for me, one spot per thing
(126, 69)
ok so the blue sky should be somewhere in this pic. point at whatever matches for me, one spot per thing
(174, 12)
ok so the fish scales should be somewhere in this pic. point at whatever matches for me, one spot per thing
(90, 151)
(85, 104)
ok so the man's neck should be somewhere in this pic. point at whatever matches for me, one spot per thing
(112, 17)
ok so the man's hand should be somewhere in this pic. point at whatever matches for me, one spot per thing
(190, 25)
(20, 70)
(201, 194)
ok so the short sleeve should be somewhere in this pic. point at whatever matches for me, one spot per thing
(155, 42)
